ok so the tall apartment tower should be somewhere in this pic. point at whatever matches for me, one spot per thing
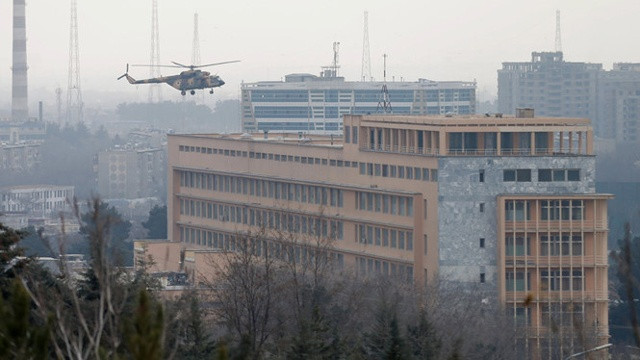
(19, 101)
(503, 206)
(550, 85)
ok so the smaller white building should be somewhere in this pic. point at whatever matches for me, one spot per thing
(36, 200)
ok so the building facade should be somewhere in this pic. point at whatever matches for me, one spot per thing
(554, 87)
(19, 157)
(315, 105)
(37, 200)
(618, 108)
(550, 85)
(503, 205)
(131, 173)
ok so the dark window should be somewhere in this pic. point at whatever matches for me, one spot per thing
(482, 278)
(481, 207)
(509, 175)
(544, 175)
(523, 175)
(481, 176)
(482, 243)
(573, 175)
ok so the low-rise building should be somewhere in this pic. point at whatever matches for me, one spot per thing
(36, 200)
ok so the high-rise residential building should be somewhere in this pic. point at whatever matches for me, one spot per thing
(554, 87)
(315, 104)
(505, 206)
(618, 111)
(127, 173)
(550, 85)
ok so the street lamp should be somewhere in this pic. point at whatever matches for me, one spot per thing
(590, 350)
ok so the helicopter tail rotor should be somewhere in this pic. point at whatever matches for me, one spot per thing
(129, 78)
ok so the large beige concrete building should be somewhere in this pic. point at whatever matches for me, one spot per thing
(506, 206)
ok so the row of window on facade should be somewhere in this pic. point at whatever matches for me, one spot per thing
(275, 220)
(550, 280)
(550, 210)
(384, 237)
(270, 156)
(554, 244)
(566, 314)
(544, 175)
(279, 190)
(369, 266)
(399, 171)
(383, 203)
(258, 247)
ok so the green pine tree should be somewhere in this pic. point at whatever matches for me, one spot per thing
(145, 332)
(423, 340)
(19, 338)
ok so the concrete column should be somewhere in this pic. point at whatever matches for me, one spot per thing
(570, 141)
(532, 142)
(580, 135)
(498, 143)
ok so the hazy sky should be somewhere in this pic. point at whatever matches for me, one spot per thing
(439, 40)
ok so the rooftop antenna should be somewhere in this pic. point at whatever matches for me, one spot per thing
(74, 94)
(155, 89)
(331, 71)
(384, 105)
(558, 34)
(336, 48)
(366, 57)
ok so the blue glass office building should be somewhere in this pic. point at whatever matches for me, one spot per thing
(312, 104)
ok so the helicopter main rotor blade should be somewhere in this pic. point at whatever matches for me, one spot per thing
(184, 66)
(214, 64)
(146, 65)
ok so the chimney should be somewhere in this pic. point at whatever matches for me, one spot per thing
(19, 105)
(40, 111)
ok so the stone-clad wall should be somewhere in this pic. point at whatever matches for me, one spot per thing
(460, 222)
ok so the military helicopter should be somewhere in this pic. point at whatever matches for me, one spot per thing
(188, 80)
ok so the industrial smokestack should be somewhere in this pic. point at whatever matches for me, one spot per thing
(19, 105)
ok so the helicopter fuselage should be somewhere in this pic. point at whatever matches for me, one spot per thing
(185, 81)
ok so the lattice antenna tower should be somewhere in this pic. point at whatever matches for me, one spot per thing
(558, 33)
(195, 56)
(366, 57)
(59, 104)
(74, 92)
(384, 105)
(155, 90)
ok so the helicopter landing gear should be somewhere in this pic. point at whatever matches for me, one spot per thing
(211, 91)
(183, 93)
(192, 92)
